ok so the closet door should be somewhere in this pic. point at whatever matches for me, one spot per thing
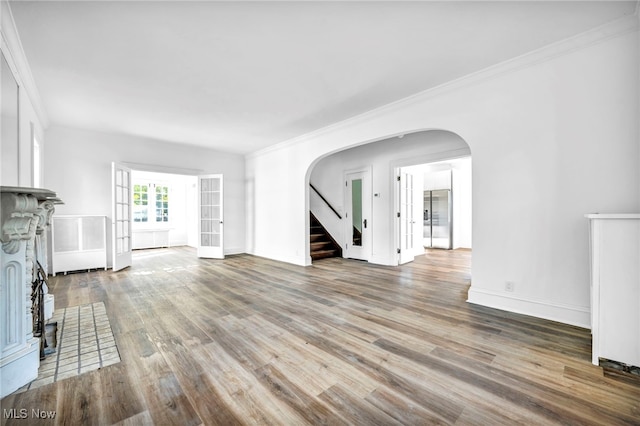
(210, 217)
(121, 216)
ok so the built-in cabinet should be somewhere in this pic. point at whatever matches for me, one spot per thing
(615, 287)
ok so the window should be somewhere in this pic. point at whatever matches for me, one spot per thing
(144, 194)
(162, 204)
(37, 165)
(140, 203)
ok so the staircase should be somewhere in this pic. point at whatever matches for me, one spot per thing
(322, 244)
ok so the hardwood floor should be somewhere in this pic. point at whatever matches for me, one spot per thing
(253, 341)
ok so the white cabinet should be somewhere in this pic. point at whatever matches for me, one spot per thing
(78, 243)
(615, 287)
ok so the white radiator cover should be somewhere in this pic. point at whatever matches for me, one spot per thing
(78, 243)
(150, 238)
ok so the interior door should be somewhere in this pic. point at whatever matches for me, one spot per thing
(358, 216)
(210, 217)
(407, 219)
(121, 216)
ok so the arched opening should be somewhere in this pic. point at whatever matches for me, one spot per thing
(369, 174)
(434, 206)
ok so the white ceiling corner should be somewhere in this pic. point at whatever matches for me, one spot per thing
(242, 76)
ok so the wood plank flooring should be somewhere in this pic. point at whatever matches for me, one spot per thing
(252, 341)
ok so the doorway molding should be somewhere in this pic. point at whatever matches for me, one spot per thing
(367, 204)
(155, 168)
(179, 172)
(394, 170)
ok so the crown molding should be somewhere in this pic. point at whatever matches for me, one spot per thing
(11, 41)
(602, 33)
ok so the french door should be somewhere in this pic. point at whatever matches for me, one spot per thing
(407, 219)
(358, 215)
(210, 217)
(121, 216)
(410, 214)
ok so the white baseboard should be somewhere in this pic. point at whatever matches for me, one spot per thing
(579, 316)
(383, 260)
(279, 257)
(233, 250)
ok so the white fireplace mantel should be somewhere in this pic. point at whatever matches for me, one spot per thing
(24, 216)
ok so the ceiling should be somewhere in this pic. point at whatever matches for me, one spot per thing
(240, 76)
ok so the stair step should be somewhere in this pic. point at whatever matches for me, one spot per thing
(319, 245)
(317, 237)
(323, 254)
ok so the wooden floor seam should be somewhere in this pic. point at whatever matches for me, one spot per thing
(251, 341)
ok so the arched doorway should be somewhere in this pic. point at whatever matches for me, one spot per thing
(434, 207)
(328, 175)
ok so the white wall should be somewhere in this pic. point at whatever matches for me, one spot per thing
(17, 163)
(556, 128)
(78, 168)
(434, 180)
(383, 156)
(462, 204)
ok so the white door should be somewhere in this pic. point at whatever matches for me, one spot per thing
(358, 215)
(210, 217)
(418, 214)
(121, 216)
(407, 219)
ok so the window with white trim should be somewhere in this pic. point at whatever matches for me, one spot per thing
(151, 203)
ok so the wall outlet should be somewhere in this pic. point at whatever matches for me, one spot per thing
(509, 286)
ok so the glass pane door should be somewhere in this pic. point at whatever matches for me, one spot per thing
(121, 216)
(356, 215)
(407, 221)
(210, 217)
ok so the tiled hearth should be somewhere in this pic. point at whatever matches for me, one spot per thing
(85, 343)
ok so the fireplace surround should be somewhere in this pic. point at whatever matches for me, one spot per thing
(24, 217)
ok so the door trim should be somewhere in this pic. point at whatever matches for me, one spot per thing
(120, 259)
(211, 251)
(407, 184)
(366, 250)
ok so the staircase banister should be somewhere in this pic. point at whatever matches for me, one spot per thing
(325, 200)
